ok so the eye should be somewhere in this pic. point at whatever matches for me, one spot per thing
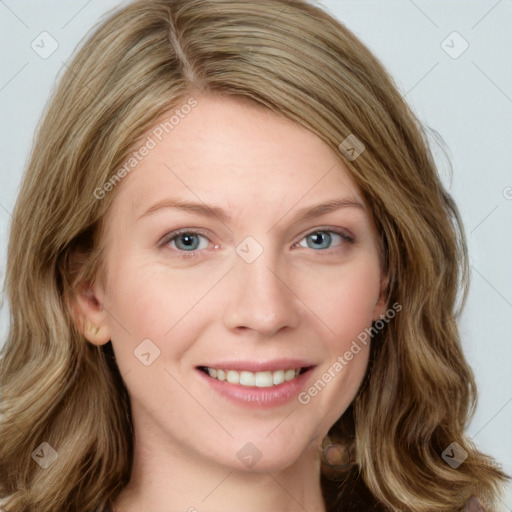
(186, 241)
(323, 239)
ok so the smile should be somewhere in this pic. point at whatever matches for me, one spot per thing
(262, 379)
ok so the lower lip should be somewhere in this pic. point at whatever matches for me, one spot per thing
(259, 398)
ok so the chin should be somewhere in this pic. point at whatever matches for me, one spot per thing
(262, 455)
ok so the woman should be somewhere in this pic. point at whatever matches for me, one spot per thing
(233, 281)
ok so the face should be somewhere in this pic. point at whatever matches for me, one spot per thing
(239, 249)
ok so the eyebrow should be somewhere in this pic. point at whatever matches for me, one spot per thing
(207, 210)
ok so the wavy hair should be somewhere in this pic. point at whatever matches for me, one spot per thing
(296, 60)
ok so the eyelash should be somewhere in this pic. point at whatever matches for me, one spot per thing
(192, 254)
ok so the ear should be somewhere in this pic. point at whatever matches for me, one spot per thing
(89, 315)
(382, 304)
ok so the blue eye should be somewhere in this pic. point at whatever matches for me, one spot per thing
(188, 241)
(324, 239)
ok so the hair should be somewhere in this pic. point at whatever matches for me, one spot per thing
(294, 59)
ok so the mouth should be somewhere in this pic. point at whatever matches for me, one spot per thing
(259, 379)
(257, 383)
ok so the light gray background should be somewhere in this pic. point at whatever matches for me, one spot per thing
(467, 100)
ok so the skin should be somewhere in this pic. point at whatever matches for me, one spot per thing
(294, 300)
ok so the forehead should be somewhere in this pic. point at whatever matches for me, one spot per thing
(236, 154)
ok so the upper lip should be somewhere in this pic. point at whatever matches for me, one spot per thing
(259, 366)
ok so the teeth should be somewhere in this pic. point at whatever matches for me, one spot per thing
(233, 377)
(247, 379)
(290, 374)
(278, 377)
(254, 379)
(263, 379)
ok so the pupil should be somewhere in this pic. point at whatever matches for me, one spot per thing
(187, 241)
(321, 238)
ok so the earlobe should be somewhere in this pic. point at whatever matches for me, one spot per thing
(97, 334)
(89, 315)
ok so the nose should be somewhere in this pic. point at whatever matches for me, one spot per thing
(260, 297)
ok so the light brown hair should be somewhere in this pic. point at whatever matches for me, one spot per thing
(294, 59)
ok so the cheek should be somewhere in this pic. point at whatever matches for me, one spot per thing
(148, 301)
(344, 297)
(344, 300)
